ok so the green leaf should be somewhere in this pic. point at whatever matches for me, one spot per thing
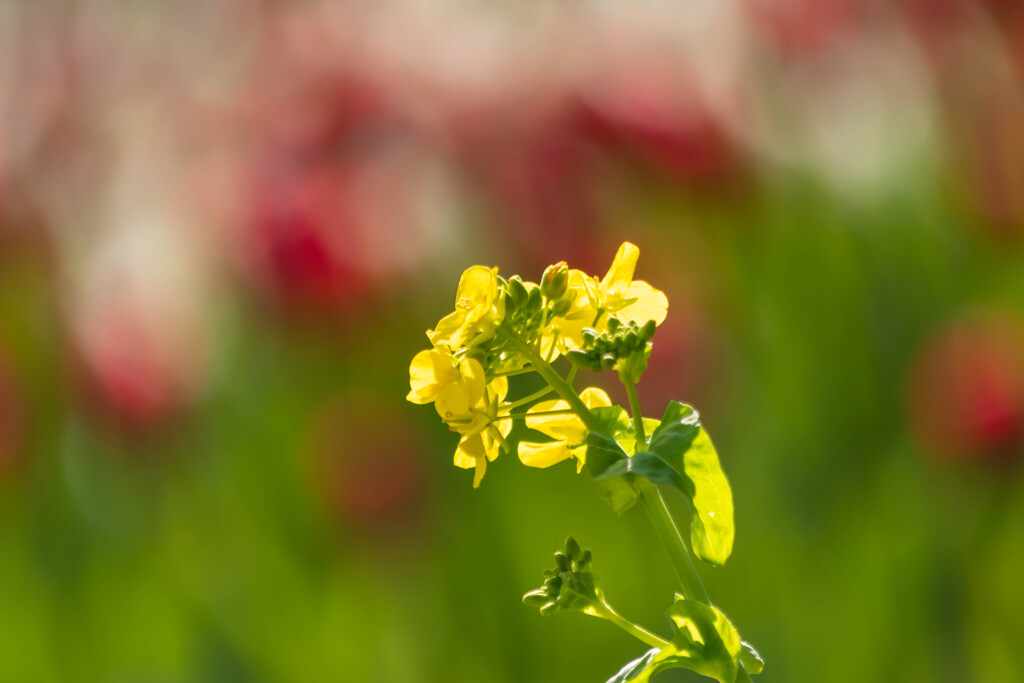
(647, 465)
(750, 659)
(703, 640)
(627, 439)
(602, 453)
(682, 444)
(612, 420)
(638, 667)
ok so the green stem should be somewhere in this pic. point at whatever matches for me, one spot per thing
(634, 409)
(668, 532)
(513, 373)
(686, 571)
(544, 413)
(529, 399)
(561, 387)
(635, 630)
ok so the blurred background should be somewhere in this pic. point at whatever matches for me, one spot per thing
(224, 227)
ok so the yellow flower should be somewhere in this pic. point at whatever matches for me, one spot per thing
(479, 307)
(567, 430)
(616, 294)
(483, 430)
(454, 387)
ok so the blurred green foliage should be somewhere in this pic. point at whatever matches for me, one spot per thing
(221, 549)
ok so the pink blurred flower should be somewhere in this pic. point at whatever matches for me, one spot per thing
(965, 388)
(804, 27)
(140, 336)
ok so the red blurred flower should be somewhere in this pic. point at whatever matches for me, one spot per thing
(337, 186)
(965, 390)
(366, 462)
(655, 110)
(539, 175)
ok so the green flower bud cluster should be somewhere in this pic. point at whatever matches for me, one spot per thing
(603, 350)
(528, 308)
(570, 585)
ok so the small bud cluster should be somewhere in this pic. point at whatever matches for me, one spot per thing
(603, 350)
(528, 309)
(570, 585)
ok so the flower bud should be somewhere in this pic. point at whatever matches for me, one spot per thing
(647, 331)
(549, 608)
(613, 324)
(537, 598)
(534, 301)
(608, 361)
(555, 281)
(572, 549)
(517, 291)
(589, 335)
(579, 358)
(562, 561)
(560, 308)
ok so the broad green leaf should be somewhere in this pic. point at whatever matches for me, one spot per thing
(684, 446)
(646, 465)
(602, 453)
(703, 640)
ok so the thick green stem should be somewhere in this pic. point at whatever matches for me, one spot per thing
(635, 630)
(668, 532)
(686, 571)
(561, 387)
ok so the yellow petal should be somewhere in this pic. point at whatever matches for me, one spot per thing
(446, 333)
(580, 285)
(567, 427)
(429, 372)
(478, 288)
(504, 426)
(570, 330)
(621, 272)
(595, 398)
(650, 304)
(499, 387)
(478, 476)
(456, 399)
(464, 460)
(542, 454)
(471, 448)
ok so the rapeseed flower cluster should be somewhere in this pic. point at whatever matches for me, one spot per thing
(507, 327)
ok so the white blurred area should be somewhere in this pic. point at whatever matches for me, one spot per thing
(312, 152)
